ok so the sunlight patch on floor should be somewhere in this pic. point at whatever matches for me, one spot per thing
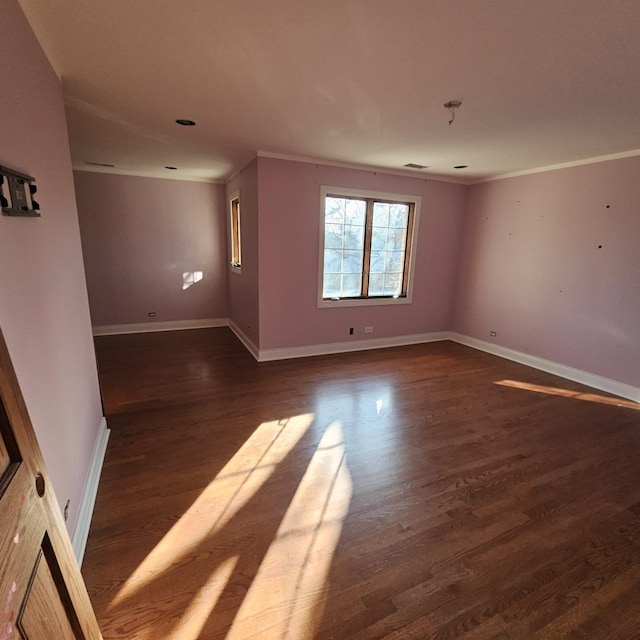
(289, 590)
(238, 481)
(195, 617)
(565, 393)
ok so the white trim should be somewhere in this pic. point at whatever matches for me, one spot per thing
(361, 302)
(577, 375)
(266, 355)
(326, 190)
(563, 371)
(418, 174)
(421, 174)
(88, 501)
(157, 174)
(564, 165)
(244, 338)
(150, 327)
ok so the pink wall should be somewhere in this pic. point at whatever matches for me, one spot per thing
(43, 300)
(140, 235)
(289, 195)
(243, 287)
(533, 271)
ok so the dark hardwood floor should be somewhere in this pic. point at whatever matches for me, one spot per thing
(420, 492)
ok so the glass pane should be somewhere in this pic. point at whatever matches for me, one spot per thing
(331, 285)
(352, 262)
(396, 239)
(392, 284)
(351, 284)
(333, 236)
(393, 262)
(377, 262)
(333, 260)
(380, 214)
(376, 284)
(355, 212)
(398, 215)
(334, 209)
(353, 237)
(378, 238)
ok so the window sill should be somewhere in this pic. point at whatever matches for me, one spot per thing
(362, 302)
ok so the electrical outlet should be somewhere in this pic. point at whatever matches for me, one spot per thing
(350, 331)
(493, 334)
(368, 329)
(152, 314)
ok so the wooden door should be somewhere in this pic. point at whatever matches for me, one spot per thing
(42, 594)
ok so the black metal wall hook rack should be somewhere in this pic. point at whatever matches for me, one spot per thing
(18, 198)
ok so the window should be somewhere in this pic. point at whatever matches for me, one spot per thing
(236, 244)
(367, 246)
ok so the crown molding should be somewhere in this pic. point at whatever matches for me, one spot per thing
(159, 175)
(418, 174)
(564, 165)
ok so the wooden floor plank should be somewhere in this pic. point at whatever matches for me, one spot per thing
(430, 491)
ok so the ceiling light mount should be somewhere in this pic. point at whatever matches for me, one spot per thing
(451, 106)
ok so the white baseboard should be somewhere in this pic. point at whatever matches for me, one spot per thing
(244, 338)
(577, 375)
(265, 355)
(148, 327)
(306, 351)
(85, 512)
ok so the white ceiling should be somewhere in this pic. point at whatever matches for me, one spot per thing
(542, 82)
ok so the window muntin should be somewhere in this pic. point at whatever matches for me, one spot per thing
(367, 243)
(236, 242)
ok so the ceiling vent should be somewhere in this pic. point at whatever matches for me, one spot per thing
(413, 165)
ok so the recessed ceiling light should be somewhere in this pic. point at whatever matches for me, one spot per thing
(172, 168)
(99, 164)
(461, 166)
(186, 123)
(413, 165)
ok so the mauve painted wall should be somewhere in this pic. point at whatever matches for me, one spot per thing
(139, 236)
(289, 195)
(44, 312)
(532, 270)
(243, 287)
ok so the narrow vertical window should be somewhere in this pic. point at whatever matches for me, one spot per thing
(236, 241)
